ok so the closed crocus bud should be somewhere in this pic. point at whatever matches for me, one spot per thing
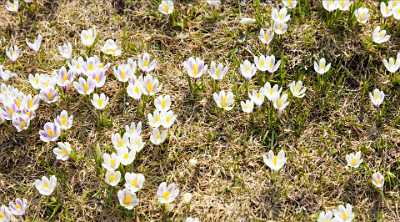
(378, 180)
(377, 97)
(362, 15)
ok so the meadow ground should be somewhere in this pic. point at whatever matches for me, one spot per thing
(230, 181)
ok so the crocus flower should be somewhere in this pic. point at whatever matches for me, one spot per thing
(297, 89)
(379, 35)
(247, 106)
(193, 219)
(154, 119)
(195, 67)
(12, 6)
(378, 180)
(35, 45)
(63, 151)
(65, 50)
(325, 216)
(396, 11)
(135, 88)
(166, 194)
(112, 177)
(187, 198)
(133, 130)
(330, 5)
(163, 103)
(280, 28)
(50, 133)
(275, 162)
(166, 7)
(362, 15)
(377, 97)
(266, 36)
(321, 67)
(64, 121)
(126, 156)
(100, 102)
(344, 214)
(290, 3)
(393, 64)
(77, 65)
(257, 97)
(247, 69)
(120, 142)
(344, 5)
(354, 159)
(167, 118)
(46, 186)
(267, 63)
(247, 21)
(85, 87)
(5, 74)
(136, 143)
(31, 102)
(158, 136)
(99, 78)
(150, 85)
(127, 199)
(215, 3)
(280, 15)
(88, 37)
(110, 47)
(145, 63)
(21, 121)
(5, 214)
(386, 10)
(134, 181)
(224, 100)
(13, 53)
(49, 95)
(43, 81)
(64, 77)
(123, 72)
(18, 207)
(110, 162)
(272, 93)
(217, 72)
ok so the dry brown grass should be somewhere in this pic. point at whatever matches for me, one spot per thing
(230, 182)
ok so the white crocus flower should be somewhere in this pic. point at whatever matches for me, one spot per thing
(120, 142)
(396, 11)
(393, 64)
(63, 151)
(280, 28)
(133, 130)
(112, 177)
(362, 15)
(65, 50)
(134, 181)
(272, 93)
(247, 21)
(168, 119)
(12, 6)
(290, 3)
(378, 180)
(224, 100)
(136, 143)
(5, 214)
(321, 67)
(100, 102)
(5, 74)
(110, 162)
(18, 207)
(158, 136)
(215, 3)
(266, 36)
(330, 5)
(166, 7)
(127, 199)
(281, 103)
(110, 47)
(64, 120)
(247, 69)
(325, 216)
(192, 219)
(344, 214)
(35, 45)
(154, 119)
(275, 162)
(77, 65)
(126, 156)
(257, 97)
(150, 85)
(267, 63)
(344, 5)
(13, 53)
(217, 72)
(46, 186)
(297, 89)
(379, 36)
(135, 88)
(377, 97)
(280, 16)
(195, 67)
(247, 106)
(166, 194)
(354, 159)
(163, 103)
(145, 63)
(88, 37)
(386, 10)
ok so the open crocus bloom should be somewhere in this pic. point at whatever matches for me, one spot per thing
(64, 120)
(35, 45)
(110, 47)
(275, 162)
(379, 35)
(321, 67)
(111, 162)
(378, 180)
(377, 97)
(112, 178)
(167, 193)
(127, 199)
(344, 214)
(217, 72)
(145, 63)
(325, 216)
(65, 50)
(362, 15)
(166, 7)
(158, 136)
(134, 181)
(224, 100)
(330, 5)
(50, 132)
(247, 106)
(266, 36)
(247, 69)
(13, 53)
(297, 89)
(354, 159)
(100, 102)
(88, 37)
(18, 207)
(392, 65)
(63, 151)
(46, 186)
(280, 15)
(195, 67)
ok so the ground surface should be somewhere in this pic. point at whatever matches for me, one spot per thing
(230, 182)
